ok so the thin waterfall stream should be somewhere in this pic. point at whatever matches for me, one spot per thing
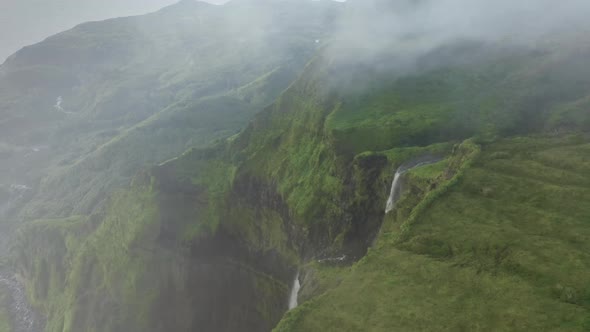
(396, 189)
(394, 195)
(294, 292)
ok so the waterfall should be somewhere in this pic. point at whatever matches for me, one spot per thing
(395, 185)
(57, 105)
(294, 292)
(394, 189)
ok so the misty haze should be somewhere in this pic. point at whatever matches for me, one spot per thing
(294, 165)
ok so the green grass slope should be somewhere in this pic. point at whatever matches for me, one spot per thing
(81, 185)
(508, 91)
(506, 249)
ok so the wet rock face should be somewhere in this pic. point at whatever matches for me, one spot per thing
(23, 317)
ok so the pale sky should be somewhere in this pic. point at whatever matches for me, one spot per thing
(25, 22)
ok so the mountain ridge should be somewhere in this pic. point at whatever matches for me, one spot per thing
(214, 238)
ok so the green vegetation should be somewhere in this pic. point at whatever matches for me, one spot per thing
(45, 251)
(485, 239)
(83, 186)
(514, 92)
(319, 277)
(65, 260)
(504, 250)
(137, 91)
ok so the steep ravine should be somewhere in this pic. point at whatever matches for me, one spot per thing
(343, 260)
(23, 318)
(471, 250)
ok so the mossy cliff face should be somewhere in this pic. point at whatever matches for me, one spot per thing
(133, 274)
(492, 249)
(211, 240)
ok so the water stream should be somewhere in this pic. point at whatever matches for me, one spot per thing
(294, 292)
(396, 189)
(339, 259)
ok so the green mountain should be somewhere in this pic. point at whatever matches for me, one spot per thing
(486, 144)
(91, 106)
